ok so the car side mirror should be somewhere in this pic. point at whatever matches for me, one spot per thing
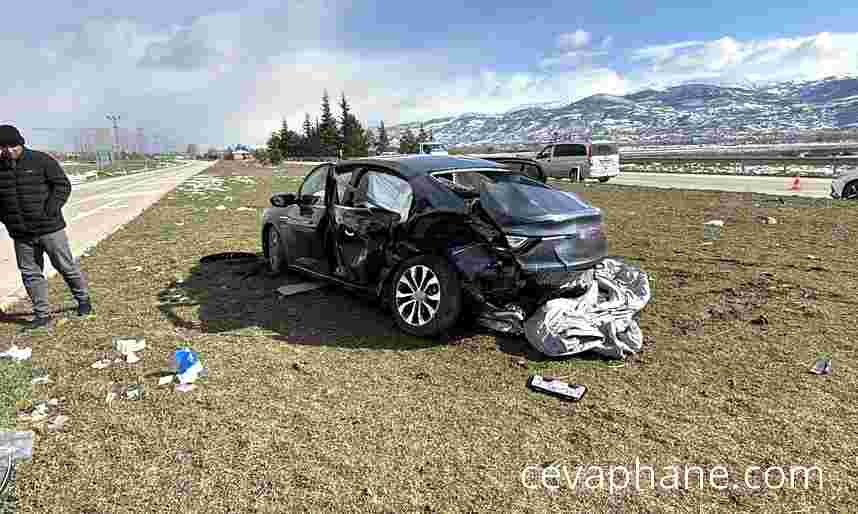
(283, 199)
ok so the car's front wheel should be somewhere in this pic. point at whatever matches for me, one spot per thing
(425, 296)
(275, 251)
(604, 179)
(850, 191)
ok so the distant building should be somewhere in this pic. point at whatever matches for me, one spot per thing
(240, 155)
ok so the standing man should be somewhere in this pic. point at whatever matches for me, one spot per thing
(33, 190)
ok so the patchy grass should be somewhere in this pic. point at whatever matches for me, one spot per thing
(317, 403)
(14, 388)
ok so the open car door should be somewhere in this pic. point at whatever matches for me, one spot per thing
(362, 222)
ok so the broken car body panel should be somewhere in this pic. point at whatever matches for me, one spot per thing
(505, 234)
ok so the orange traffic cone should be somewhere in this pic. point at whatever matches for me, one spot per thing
(796, 184)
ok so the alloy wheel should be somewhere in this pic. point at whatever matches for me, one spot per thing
(850, 192)
(418, 295)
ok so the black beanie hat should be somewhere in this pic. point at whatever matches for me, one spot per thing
(9, 136)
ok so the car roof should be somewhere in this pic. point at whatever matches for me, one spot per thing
(412, 166)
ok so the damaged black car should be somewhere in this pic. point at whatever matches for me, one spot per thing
(435, 236)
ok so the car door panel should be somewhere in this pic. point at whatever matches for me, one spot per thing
(304, 219)
(360, 235)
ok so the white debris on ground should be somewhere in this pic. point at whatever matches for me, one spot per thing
(17, 354)
(604, 319)
(202, 185)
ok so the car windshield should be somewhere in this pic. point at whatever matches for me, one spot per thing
(511, 198)
(603, 149)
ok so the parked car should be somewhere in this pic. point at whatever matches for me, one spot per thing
(428, 148)
(845, 186)
(431, 236)
(575, 160)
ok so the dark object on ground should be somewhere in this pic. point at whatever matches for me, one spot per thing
(557, 388)
(230, 257)
(39, 322)
(433, 236)
(84, 309)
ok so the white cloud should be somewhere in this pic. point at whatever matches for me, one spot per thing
(572, 40)
(730, 60)
(230, 77)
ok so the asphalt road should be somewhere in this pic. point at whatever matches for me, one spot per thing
(94, 211)
(813, 187)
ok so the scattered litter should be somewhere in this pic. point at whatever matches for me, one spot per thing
(137, 268)
(813, 257)
(187, 365)
(57, 423)
(558, 388)
(568, 326)
(712, 229)
(301, 287)
(180, 223)
(822, 366)
(39, 412)
(220, 208)
(53, 402)
(185, 388)
(21, 444)
(132, 358)
(102, 364)
(242, 209)
(113, 392)
(166, 380)
(760, 320)
(134, 392)
(41, 380)
(127, 345)
(17, 354)
(768, 220)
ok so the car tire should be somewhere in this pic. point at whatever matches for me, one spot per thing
(275, 251)
(575, 175)
(604, 179)
(439, 305)
(850, 191)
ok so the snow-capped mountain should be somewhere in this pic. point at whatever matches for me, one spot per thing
(723, 113)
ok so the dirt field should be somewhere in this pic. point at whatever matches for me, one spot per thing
(316, 403)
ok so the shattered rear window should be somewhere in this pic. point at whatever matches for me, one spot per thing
(512, 198)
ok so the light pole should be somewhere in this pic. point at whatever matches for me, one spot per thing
(115, 120)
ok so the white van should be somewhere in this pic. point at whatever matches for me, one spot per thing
(579, 161)
(604, 160)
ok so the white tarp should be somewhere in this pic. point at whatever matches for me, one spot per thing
(604, 319)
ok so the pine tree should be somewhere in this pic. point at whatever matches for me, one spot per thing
(328, 128)
(422, 136)
(359, 145)
(407, 142)
(346, 132)
(371, 143)
(383, 140)
(284, 139)
(273, 148)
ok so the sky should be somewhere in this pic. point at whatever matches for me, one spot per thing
(216, 73)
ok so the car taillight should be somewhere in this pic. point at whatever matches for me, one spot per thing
(591, 231)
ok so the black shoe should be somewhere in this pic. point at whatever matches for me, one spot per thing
(84, 309)
(39, 322)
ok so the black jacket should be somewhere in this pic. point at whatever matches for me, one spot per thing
(33, 191)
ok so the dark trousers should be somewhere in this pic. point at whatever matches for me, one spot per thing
(30, 254)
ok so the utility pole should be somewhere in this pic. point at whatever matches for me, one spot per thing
(115, 120)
